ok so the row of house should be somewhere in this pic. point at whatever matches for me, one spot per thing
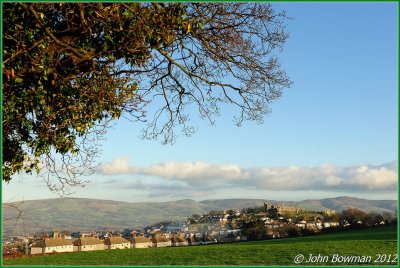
(58, 245)
(317, 224)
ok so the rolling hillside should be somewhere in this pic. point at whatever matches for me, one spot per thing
(91, 214)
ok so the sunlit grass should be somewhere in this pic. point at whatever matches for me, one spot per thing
(367, 242)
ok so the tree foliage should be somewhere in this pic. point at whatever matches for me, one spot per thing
(70, 68)
(354, 215)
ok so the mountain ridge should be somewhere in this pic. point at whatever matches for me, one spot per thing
(85, 214)
(188, 199)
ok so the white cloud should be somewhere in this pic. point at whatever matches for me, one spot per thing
(333, 181)
(195, 170)
(379, 178)
(197, 178)
(119, 165)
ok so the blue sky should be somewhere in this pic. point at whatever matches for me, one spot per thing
(334, 132)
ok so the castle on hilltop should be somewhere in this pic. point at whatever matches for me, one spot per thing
(280, 209)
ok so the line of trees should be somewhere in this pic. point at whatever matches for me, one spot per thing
(357, 217)
(352, 218)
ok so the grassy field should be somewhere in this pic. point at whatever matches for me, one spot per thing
(367, 242)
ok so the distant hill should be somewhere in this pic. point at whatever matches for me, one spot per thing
(83, 214)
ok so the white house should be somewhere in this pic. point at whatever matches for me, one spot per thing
(178, 240)
(300, 225)
(194, 241)
(88, 244)
(141, 242)
(328, 224)
(52, 245)
(115, 242)
(160, 241)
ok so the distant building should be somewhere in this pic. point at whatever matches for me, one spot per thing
(194, 241)
(175, 227)
(141, 242)
(52, 245)
(160, 241)
(331, 224)
(330, 212)
(273, 234)
(178, 240)
(88, 244)
(301, 225)
(66, 235)
(116, 242)
(281, 209)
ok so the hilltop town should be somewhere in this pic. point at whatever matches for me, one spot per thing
(269, 221)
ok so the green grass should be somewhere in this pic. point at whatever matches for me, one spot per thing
(367, 242)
